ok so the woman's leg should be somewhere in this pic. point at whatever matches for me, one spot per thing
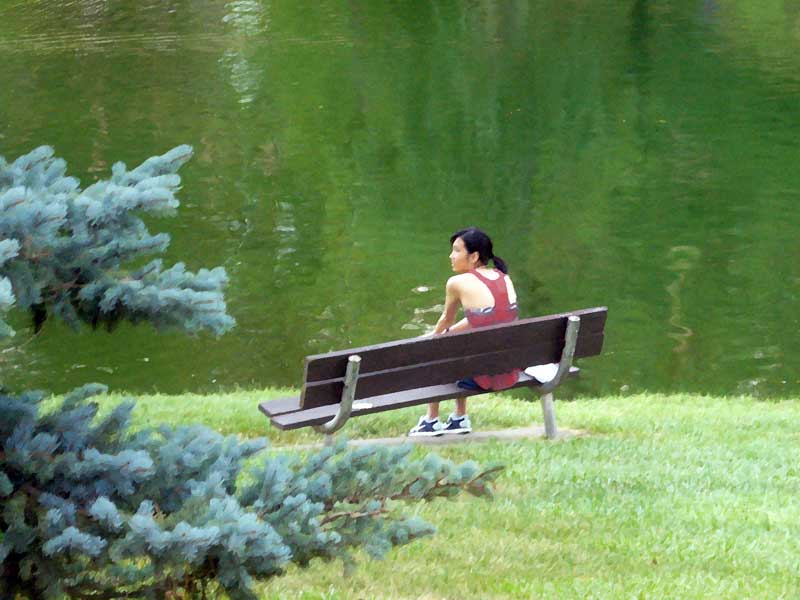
(433, 411)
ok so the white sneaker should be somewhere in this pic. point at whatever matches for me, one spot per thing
(459, 425)
(427, 428)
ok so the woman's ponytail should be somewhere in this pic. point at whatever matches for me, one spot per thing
(500, 264)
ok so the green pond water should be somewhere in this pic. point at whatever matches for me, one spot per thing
(639, 155)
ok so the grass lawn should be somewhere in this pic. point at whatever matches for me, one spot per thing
(668, 497)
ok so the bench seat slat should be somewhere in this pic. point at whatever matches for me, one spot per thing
(322, 414)
(280, 406)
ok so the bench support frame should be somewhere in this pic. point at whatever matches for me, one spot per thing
(564, 365)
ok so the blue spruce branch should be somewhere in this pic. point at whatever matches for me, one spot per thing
(138, 514)
(64, 250)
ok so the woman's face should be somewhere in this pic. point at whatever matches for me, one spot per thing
(461, 260)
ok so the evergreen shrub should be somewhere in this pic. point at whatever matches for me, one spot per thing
(90, 508)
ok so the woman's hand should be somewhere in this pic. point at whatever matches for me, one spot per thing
(462, 325)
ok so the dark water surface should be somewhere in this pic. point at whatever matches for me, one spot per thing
(639, 155)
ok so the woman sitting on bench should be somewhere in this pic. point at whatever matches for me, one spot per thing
(487, 297)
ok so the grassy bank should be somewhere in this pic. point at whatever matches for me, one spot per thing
(668, 497)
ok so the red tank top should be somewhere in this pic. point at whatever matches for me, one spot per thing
(502, 312)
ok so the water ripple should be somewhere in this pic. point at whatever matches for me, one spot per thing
(44, 43)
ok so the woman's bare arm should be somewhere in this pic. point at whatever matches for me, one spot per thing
(512, 293)
(452, 302)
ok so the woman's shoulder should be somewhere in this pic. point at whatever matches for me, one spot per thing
(457, 281)
(464, 283)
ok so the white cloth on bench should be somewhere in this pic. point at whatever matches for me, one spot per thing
(543, 373)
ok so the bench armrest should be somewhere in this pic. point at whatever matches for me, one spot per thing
(565, 364)
(346, 403)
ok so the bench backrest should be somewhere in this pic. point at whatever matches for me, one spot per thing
(420, 362)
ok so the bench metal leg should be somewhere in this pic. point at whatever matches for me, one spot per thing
(546, 390)
(549, 414)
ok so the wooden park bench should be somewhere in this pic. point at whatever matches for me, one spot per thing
(404, 373)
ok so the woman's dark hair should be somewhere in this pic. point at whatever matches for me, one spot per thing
(476, 240)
